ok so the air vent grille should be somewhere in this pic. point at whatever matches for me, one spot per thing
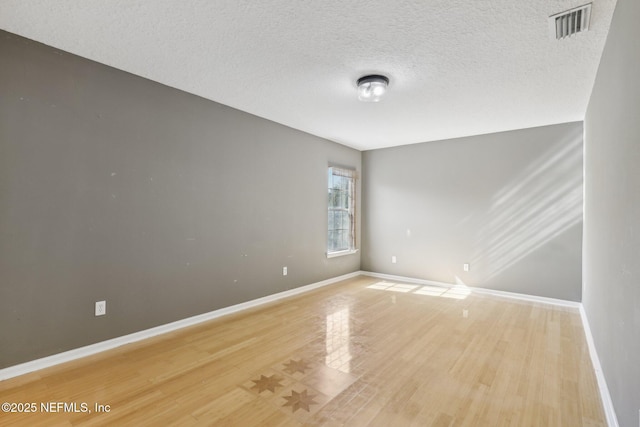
(570, 22)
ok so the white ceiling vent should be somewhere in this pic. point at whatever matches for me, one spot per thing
(570, 22)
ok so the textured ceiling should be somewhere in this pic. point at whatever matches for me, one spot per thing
(457, 67)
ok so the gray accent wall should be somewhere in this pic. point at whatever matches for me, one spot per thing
(611, 294)
(164, 204)
(509, 204)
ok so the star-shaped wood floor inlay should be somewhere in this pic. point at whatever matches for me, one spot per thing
(300, 400)
(293, 366)
(267, 383)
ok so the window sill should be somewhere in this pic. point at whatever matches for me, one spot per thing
(341, 253)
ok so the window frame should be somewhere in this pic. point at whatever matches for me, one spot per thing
(350, 210)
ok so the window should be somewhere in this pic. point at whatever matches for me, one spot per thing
(342, 212)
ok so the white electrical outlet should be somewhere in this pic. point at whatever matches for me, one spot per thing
(393, 259)
(284, 271)
(101, 308)
(465, 313)
(465, 267)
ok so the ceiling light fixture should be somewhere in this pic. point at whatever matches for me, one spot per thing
(371, 88)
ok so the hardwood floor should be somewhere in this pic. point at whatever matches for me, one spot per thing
(361, 352)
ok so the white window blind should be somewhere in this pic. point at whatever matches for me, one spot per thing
(342, 211)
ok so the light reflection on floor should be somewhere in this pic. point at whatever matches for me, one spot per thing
(455, 292)
(337, 341)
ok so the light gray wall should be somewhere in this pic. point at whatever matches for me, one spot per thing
(510, 204)
(611, 294)
(162, 203)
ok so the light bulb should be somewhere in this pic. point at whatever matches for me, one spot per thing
(372, 88)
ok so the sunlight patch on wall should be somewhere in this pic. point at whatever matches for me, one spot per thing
(543, 202)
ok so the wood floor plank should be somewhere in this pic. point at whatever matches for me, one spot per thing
(364, 352)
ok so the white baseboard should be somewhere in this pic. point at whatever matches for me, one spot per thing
(607, 403)
(484, 291)
(67, 356)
